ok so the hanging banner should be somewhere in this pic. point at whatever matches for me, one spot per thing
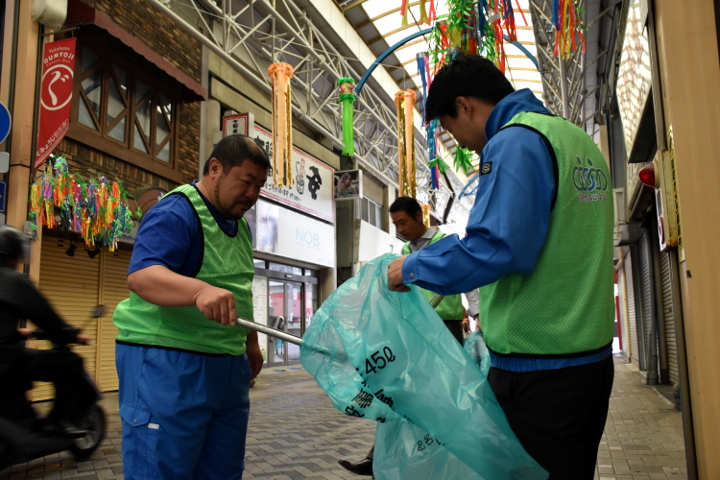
(55, 96)
(313, 188)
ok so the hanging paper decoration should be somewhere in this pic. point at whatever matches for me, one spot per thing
(405, 99)
(96, 209)
(568, 24)
(281, 73)
(426, 214)
(347, 99)
(462, 159)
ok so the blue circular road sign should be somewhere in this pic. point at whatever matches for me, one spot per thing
(4, 122)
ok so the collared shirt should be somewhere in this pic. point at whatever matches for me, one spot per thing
(423, 241)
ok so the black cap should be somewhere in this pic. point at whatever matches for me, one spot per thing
(11, 243)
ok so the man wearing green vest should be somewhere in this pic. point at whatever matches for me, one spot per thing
(408, 219)
(539, 243)
(183, 364)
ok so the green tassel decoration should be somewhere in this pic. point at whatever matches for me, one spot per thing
(442, 166)
(347, 99)
(462, 159)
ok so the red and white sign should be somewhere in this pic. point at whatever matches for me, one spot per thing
(313, 191)
(239, 123)
(55, 96)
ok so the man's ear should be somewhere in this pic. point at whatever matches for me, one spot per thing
(214, 167)
(463, 105)
(419, 216)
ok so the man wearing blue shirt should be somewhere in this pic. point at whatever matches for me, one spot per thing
(539, 243)
(184, 366)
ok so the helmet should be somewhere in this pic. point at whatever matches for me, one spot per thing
(12, 243)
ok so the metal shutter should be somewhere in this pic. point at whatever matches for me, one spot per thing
(71, 285)
(114, 290)
(647, 297)
(632, 320)
(669, 317)
(622, 321)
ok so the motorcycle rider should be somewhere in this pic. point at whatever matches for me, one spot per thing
(19, 366)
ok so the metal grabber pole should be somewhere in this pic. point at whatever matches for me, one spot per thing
(294, 339)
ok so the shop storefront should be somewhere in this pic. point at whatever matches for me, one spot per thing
(293, 230)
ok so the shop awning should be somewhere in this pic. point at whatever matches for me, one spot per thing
(81, 14)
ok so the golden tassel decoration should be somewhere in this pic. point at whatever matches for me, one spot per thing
(426, 214)
(281, 73)
(405, 99)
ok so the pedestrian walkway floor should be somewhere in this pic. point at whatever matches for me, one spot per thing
(296, 434)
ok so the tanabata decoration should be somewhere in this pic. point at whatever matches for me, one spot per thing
(426, 214)
(568, 25)
(426, 16)
(347, 99)
(97, 209)
(407, 185)
(280, 74)
(436, 165)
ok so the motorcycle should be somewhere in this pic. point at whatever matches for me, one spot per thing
(21, 441)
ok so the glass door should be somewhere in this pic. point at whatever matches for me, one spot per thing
(293, 305)
(284, 313)
(276, 319)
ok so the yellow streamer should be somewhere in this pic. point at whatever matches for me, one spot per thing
(281, 73)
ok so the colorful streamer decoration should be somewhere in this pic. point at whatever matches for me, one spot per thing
(405, 99)
(347, 99)
(568, 24)
(96, 209)
(280, 74)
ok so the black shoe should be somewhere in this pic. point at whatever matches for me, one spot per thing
(363, 467)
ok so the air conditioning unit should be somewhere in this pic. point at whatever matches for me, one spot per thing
(51, 13)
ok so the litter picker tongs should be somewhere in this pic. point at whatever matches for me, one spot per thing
(294, 339)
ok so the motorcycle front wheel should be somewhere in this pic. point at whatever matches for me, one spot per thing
(94, 423)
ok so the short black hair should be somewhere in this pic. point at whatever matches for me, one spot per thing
(465, 76)
(406, 204)
(234, 149)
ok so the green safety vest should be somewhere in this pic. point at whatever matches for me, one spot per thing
(227, 263)
(565, 305)
(451, 307)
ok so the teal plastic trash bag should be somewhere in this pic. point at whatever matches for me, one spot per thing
(387, 356)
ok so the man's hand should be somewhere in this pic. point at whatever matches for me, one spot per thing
(83, 339)
(395, 276)
(217, 304)
(26, 332)
(254, 354)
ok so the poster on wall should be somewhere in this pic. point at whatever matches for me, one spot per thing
(286, 233)
(259, 295)
(348, 185)
(240, 123)
(313, 189)
(56, 86)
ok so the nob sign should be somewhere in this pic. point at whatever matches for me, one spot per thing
(55, 96)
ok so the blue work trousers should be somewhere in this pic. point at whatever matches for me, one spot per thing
(184, 415)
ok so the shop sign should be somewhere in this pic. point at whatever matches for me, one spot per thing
(348, 185)
(290, 234)
(313, 190)
(55, 96)
(240, 123)
(634, 75)
(260, 311)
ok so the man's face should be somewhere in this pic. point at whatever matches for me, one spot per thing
(237, 190)
(410, 228)
(468, 127)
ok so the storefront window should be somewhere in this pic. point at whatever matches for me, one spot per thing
(311, 304)
(285, 268)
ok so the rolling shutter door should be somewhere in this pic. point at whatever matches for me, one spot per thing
(622, 296)
(632, 322)
(71, 285)
(114, 291)
(669, 317)
(646, 296)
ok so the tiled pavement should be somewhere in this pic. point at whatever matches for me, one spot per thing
(296, 434)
